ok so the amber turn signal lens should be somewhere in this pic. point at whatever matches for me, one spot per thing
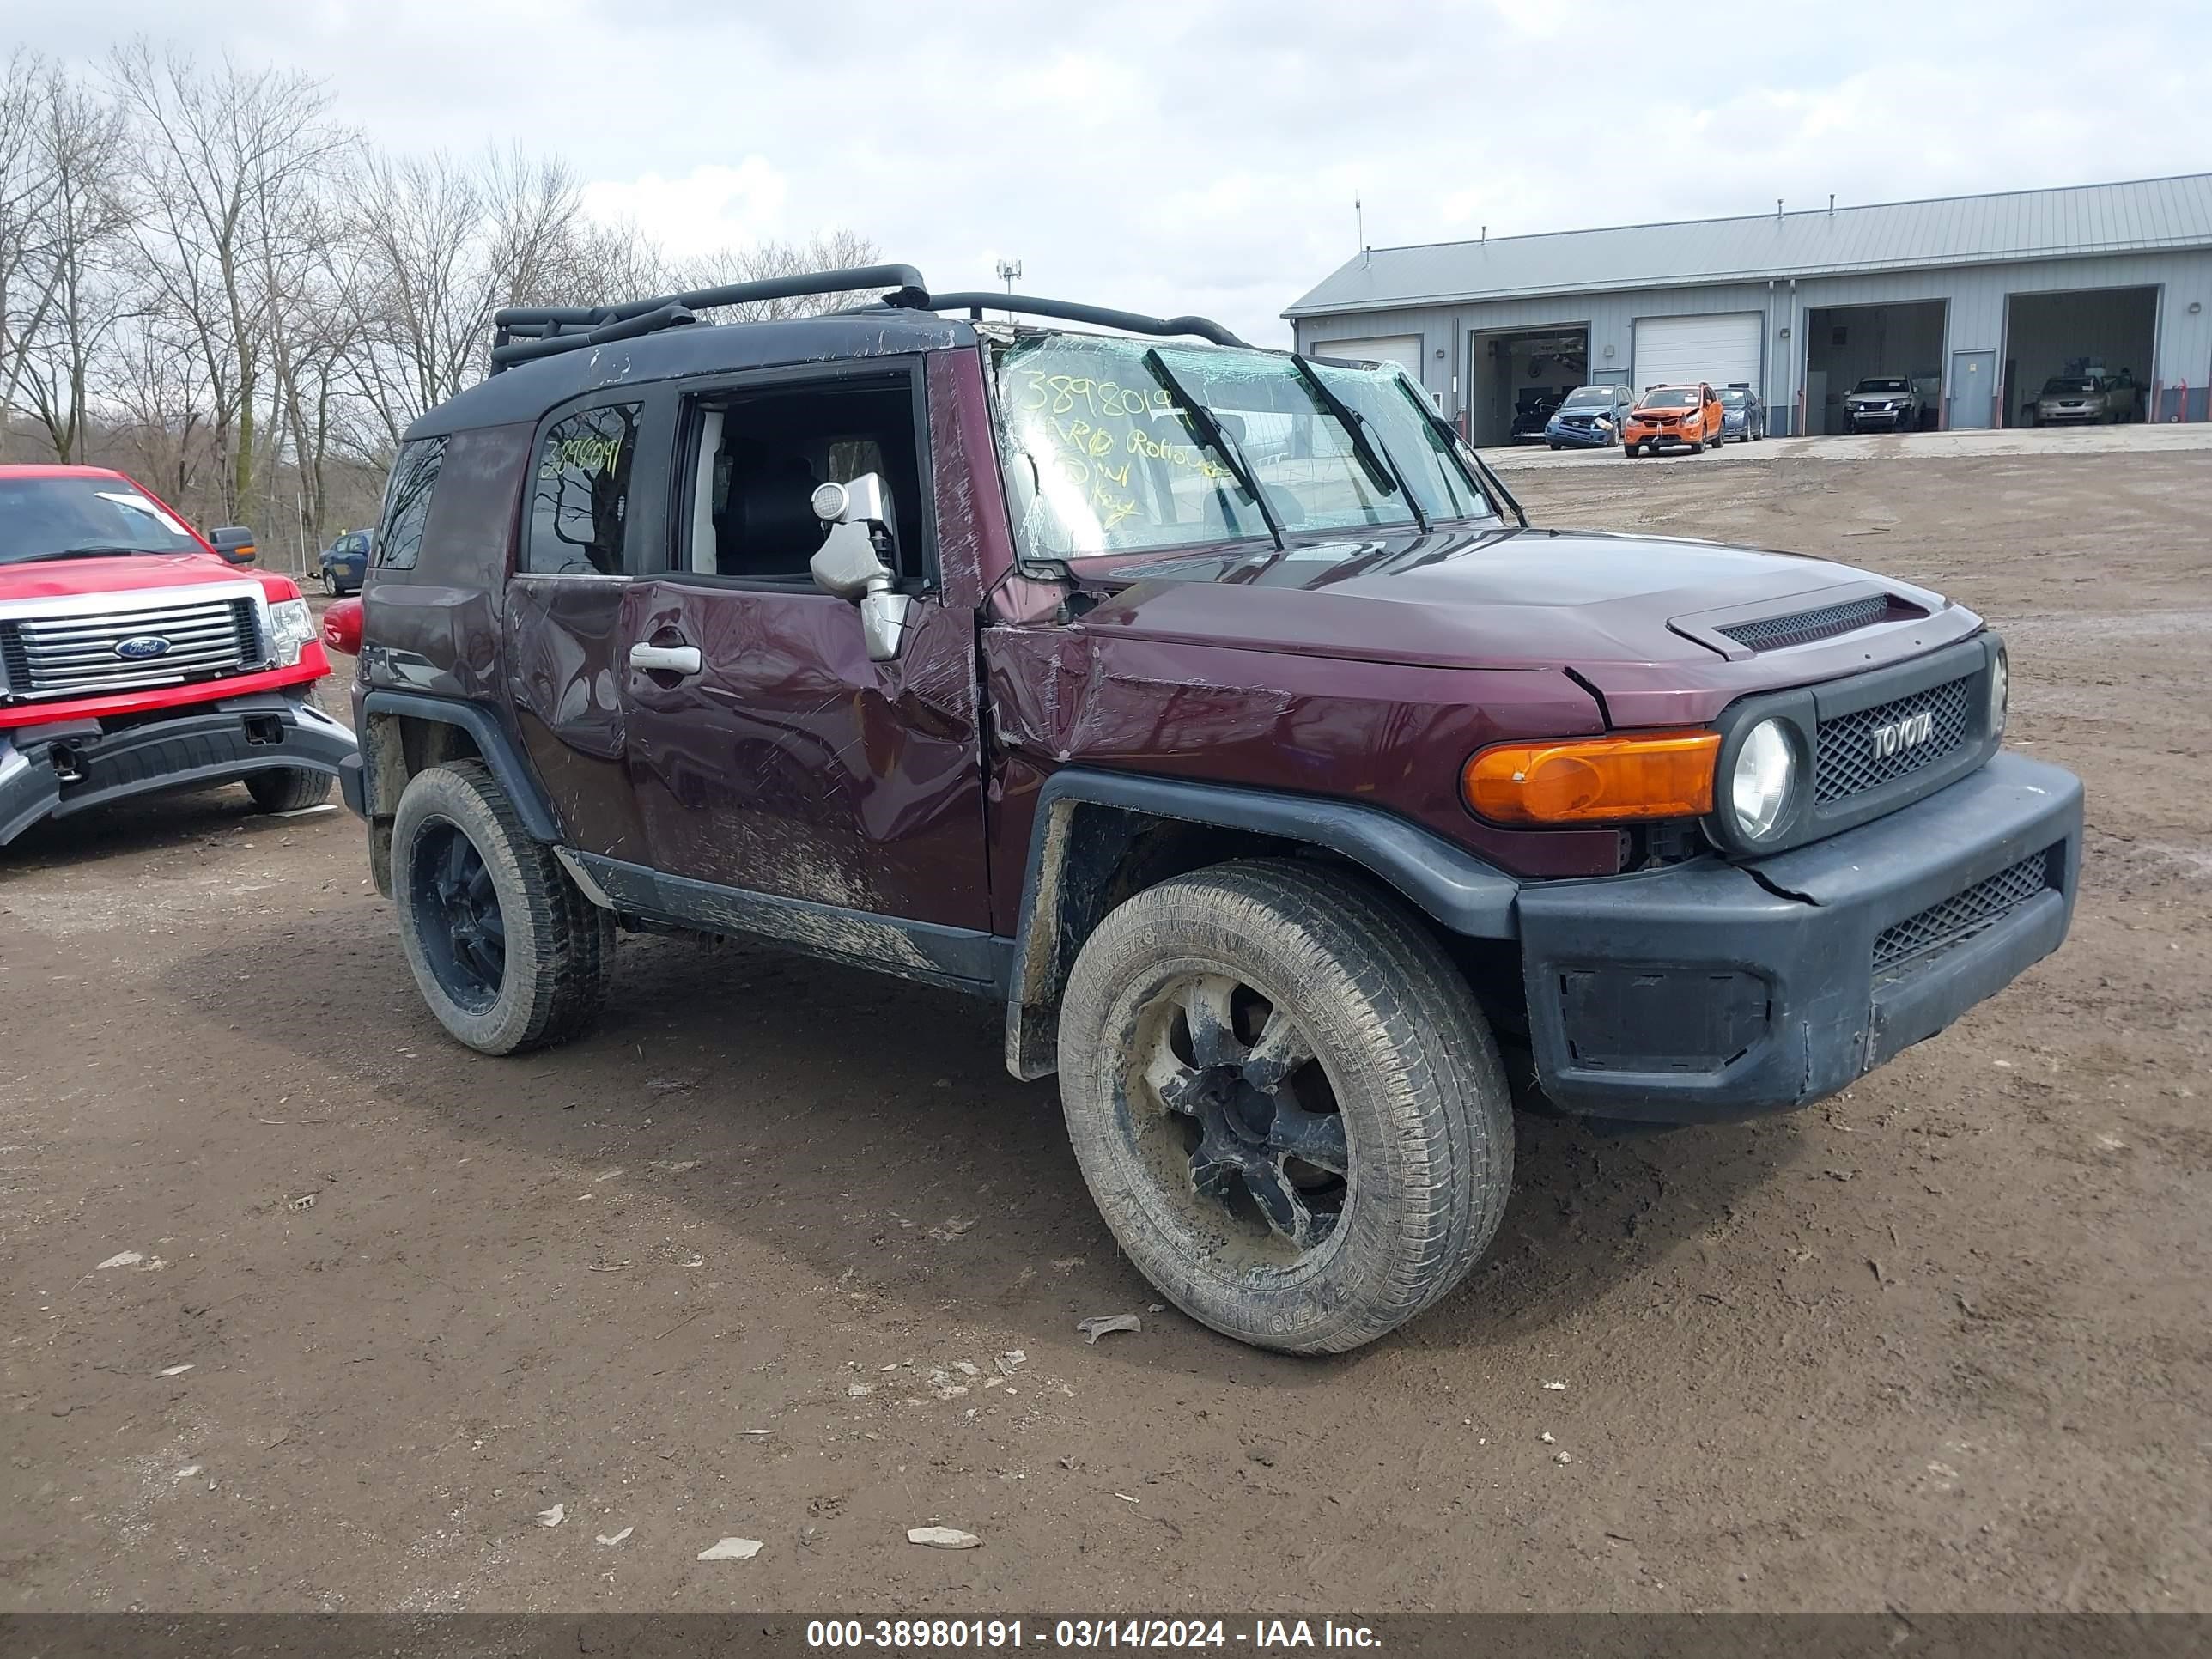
(1650, 774)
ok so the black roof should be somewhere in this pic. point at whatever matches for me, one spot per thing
(527, 390)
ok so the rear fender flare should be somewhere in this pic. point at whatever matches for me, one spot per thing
(494, 742)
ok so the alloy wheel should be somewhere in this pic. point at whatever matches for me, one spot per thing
(462, 932)
(1247, 1127)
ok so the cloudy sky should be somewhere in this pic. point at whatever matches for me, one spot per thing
(1204, 157)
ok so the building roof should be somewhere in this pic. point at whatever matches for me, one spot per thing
(1951, 230)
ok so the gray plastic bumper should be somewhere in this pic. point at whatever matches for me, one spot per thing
(1712, 990)
(208, 743)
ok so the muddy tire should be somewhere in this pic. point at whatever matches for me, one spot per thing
(1286, 1103)
(506, 951)
(289, 789)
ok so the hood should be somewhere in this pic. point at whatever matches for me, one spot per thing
(1638, 613)
(58, 579)
(1874, 396)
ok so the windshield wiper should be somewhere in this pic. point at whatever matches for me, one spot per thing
(1214, 433)
(1374, 454)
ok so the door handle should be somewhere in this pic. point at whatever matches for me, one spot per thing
(666, 659)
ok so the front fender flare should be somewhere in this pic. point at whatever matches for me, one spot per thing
(1459, 892)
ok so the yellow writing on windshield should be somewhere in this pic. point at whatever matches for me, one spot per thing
(587, 453)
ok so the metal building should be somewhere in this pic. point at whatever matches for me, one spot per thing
(1979, 299)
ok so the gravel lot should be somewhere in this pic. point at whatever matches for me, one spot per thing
(725, 1268)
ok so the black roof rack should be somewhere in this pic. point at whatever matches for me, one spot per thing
(1070, 311)
(527, 332)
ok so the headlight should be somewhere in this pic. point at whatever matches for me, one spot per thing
(1765, 774)
(291, 629)
(1604, 424)
(2000, 695)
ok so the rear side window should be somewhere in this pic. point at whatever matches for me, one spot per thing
(407, 502)
(580, 493)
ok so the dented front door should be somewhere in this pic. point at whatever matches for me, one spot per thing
(789, 764)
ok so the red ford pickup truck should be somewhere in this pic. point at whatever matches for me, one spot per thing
(135, 657)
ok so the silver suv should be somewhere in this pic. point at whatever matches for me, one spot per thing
(1885, 403)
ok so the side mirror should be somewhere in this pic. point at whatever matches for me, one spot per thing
(235, 543)
(850, 565)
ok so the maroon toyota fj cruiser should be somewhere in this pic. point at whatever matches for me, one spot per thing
(1214, 709)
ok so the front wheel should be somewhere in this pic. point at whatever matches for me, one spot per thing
(289, 789)
(506, 953)
(1284, 1102)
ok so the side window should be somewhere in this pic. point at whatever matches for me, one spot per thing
(579, 495)
(407, 502)
(761, 454)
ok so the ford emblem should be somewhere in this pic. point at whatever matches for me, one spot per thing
(144, 647)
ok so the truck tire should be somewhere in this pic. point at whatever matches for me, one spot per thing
(1284, 1102)
(289, 789)
(506, 951)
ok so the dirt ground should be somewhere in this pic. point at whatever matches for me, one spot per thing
(725, 1267)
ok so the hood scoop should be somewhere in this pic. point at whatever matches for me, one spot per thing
(1778, 625)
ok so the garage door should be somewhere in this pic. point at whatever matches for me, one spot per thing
(1722, 350)
(1404, 349)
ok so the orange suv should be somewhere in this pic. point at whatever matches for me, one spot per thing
(1688, 415)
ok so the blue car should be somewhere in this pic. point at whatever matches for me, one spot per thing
(1590, 418)
(1743, 417)
(345, 562)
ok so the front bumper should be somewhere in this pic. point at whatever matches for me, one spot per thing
(1888, 417)
(206, 743)
(1583, 437)
(1710, 990)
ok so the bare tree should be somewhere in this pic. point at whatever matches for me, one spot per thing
(79, 140)
(28, 278)
(161, 410)
(437, 246)
(834, 250)
(226, 153)
(205, 279)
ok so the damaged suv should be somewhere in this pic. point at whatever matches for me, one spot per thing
(1213, 709)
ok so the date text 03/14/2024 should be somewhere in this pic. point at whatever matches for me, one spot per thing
(953, 1635)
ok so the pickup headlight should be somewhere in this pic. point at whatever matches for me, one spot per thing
(1765, 778)
(290, 628)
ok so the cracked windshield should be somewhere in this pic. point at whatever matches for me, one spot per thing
(1116, 446)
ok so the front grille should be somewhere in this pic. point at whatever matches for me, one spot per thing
(1582, 420)
(1804, 627)
(72, 654)
(1963, 914)
(1847, 762)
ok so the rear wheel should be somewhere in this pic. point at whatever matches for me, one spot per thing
(1284, 1102)
(289, 789)
(506, 953)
